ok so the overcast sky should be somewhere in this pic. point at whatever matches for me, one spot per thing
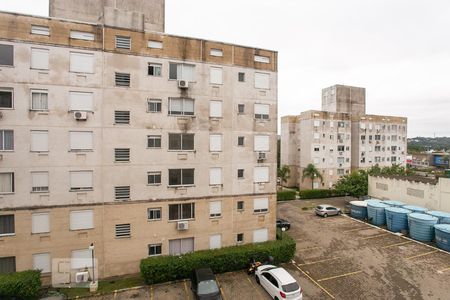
(399, 50)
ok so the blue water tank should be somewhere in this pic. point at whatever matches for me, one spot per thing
(394, 203)
(375, 212)
(421, 226)
(358, 209)
(444, 217)
(443, 236)
(415, 209)
(397, 218)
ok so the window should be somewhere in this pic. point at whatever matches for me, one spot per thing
(215, 176)
(240, 238)
(215, 241)
(262, 111)
(154, 178)
(42, 262)
(215, 109)
(241, 141)
(6, 183)
(154, 105)
(316, 135)
(215, 142)
(341, 148)
(81, 101)
(240, 205)
(182, 71)
(39, 181)
(7, 265)
(122, 154)
(155, 44)
(7, 225)
(241, 77)
(181, 246)
(121, 117)
(81, 140)
(179, 177)
(181, 211)
(40, 223)
(216, 75)
(40, 30)
(81, 35)
(260, 235)
(122, 192)
(39, 100)
(215, 209)
(261, 205)
(6, 55)
(181, 106)
(262, 59)
(6, 140)
(261, 174)
(216, 52)
(154, 249)
(153, 141)
(261, 143)
(240, 173)
(154, 69)
(262, 80)
(6, 97)
(81, 62)
(123, 42)
(39, 58)
(122, 79)
(39, 141)
(241, 108)
(317, 149)
(316, 123)
(81, 180)
(81, 219)
(123, 231)
(340, 171)
(341, 124)
(154, 214)
(81, 259)
(181, 141)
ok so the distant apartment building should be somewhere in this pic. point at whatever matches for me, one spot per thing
(143, 143)
(341, 138)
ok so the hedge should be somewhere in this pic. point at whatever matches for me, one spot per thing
(286, 195)
(314, 194)
(20, 285)
(168, 268)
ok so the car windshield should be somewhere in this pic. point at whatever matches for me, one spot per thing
(319, 207)
(291, 287)
(207, 287)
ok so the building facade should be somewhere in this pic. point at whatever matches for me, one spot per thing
(140, 142)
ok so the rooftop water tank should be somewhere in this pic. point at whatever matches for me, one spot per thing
(421, 226)
(444, 217)
(358, 209)
(375, 212)
(394, 203)
(443, 236)
(415, 209)
(397, 218)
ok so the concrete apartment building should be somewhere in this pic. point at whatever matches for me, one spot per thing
(143, 143)
(340, 138)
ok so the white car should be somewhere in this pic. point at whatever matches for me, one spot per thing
(278, 283)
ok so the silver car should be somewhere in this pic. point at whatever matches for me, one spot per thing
(326, 210)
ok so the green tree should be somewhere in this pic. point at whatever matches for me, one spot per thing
(355, 184)
(311, 172)
(283, 172)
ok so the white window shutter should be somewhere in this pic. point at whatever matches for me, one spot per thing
(260, 235)
(261, 174)
(316, 135)
(215, 241)
(216, 75)
(81, 219)
(81, 140)
(81, 101)
(42, 262)
(215, 176)
(81, 179)
(39, 141)
(39, 58)
(81, 259)
(261, 143)
(215, 208)
(215, 109)
(262, 80)
(81, 62)
(81, 35)
(261, 204)
(261, 109)
(40, 223)
(39, 179)
(316, 123)
(215, 142)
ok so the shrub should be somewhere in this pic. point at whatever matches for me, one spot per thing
(168, 268)
(20, 285)
(286, 195)
(314, 194)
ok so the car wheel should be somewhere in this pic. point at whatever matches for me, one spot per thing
(257, 280)
(339, 213)
(325, 215)
(275, 298)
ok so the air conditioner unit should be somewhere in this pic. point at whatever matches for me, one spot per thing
(182, 225)
(261, 156)
(80, 115)
(183, 84)
(81, 277)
